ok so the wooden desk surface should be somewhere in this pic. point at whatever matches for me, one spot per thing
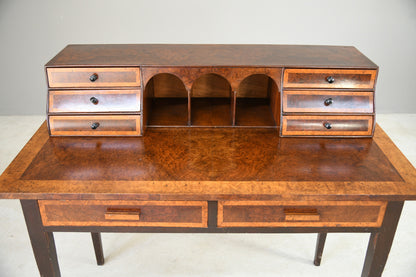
(313, 56)
(209, 164)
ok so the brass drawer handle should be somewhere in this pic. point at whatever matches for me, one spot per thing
(122, 214)
(301, 215)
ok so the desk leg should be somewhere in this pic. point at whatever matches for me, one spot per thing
(380, 242)
(98, 248)
(320, 243)
(43, 244)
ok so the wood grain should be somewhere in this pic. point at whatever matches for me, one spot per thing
(107, 77)
(109, 125)
(211, 98)
(211, 55)
(43, 243)
(316, 78)
(152, 213)
(378, 176)
(302, 125)
(313, 101)
(300, 214)
(233, 75)
(78, 101)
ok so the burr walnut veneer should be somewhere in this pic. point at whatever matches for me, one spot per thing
(154, 173)
(299, 90)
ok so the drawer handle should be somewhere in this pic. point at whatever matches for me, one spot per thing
(301, 215)
(95, 125)
(328, 101)
(327, 125)
(94, 100)
(122, 214)
(94, 77)
(330, 79)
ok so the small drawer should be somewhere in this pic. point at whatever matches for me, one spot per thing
(124, 213)
(301, 213)
(79, 101)
(327, 125)
(327, 101)
(329, 78)
(97, 125)
(87, 77)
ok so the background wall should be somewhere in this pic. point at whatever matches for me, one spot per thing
(32, 32)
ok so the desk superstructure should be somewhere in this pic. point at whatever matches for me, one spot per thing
(120, 90)
(211, 139)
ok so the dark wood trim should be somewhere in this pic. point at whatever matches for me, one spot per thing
(98, 247)
(212, 214)
(320, 243)
(236, 230)
(42, 241)
(380, 242)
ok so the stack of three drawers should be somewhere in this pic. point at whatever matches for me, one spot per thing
(85, 101)
(328, 102)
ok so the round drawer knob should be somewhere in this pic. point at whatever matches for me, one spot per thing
(95, 125)
(330, 79)
(94, 77)
(327, 125)
(94, 100)
(328, 101)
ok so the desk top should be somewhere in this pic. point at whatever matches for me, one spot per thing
(209, 164)
(313, 56)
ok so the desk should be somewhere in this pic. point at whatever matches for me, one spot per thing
(343, 174)
(210, 139)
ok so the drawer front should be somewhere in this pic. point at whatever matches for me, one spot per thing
(301, 214)
(329, 78)
(99, 125)
(124, 213)
(94, 101)
(328, 101)
(93, 77)
(327, 125)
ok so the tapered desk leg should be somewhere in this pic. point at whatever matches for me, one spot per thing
(380, 242)
(98, 248)
(43, 244)
(320, 243)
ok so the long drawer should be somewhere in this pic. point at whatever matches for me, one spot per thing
(88, 77)
(95, 125)
(80, 101)
(328, 125)
(313, 101)
(124, 213)
(301, 214)
(329, 78)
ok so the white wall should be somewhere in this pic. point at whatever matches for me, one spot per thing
(32, 32)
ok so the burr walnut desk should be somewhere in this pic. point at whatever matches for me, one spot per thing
(210, 139)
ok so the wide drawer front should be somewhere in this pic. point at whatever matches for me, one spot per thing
(99, 125)
(301, 214)
(328, 101)
(329, 78)
(94, 101)
(93, 77)
(124, 213)
(327, 125)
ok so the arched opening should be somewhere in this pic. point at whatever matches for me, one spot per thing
(167, 100)
(211, 101)
(257, 102)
